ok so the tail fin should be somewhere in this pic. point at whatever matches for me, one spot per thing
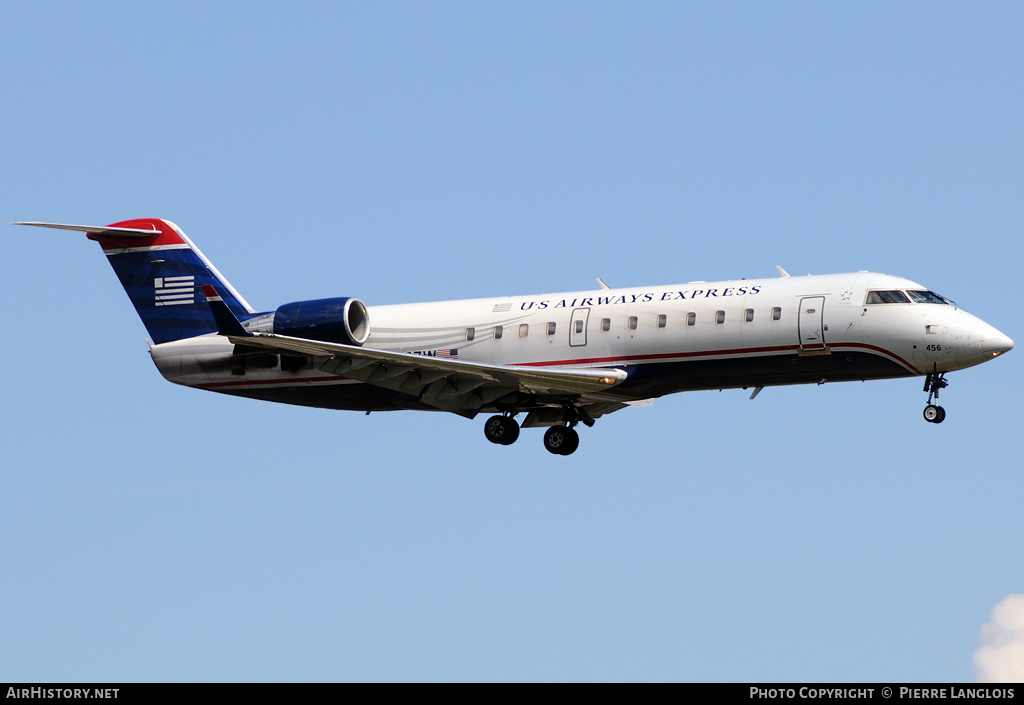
(161, 271)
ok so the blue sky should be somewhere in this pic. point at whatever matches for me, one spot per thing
(423, 151)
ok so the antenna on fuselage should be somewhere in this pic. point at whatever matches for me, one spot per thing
(782, 272)
(601, 282)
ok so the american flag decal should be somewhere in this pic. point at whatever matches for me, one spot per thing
(450, 353)
(175, 291)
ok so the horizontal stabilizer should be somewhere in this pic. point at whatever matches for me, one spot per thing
(162, 272)
(106, 230)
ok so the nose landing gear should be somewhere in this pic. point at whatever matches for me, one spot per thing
(932, 384)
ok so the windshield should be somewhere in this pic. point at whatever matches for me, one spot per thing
(898, 296)
(928, 297)
(891, 296)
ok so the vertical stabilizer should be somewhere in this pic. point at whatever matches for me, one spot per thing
(163, 274)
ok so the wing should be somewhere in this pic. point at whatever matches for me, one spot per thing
(460, 386)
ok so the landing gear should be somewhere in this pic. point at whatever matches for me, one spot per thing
(503, 430)
(561, 440)
(932, 384)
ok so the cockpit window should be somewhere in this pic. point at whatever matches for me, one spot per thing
(891, 296)
(928, 297)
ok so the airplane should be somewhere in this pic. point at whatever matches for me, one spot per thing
(561, 359)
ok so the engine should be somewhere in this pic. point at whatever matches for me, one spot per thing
(342, 320)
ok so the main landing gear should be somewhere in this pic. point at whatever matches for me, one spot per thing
(932, 384)
(560, 440)
(503, 430)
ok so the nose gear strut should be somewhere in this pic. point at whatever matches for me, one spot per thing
(932, 384)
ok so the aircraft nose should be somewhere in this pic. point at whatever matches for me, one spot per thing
(995, 343)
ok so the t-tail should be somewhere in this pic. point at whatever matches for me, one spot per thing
(163, 274)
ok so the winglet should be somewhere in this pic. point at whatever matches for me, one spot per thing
(601, 282)
(227, 324)
(782, 272)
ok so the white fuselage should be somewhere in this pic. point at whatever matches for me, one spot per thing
(699, 335)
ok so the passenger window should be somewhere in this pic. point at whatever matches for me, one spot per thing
(606, 324)
(632, 323)
(748, 315)
(691, 319)
(662, 321)
(776, 313)
(720, 317)
(470, 333)
(891, 296)
(551, 328)
(579, 326)
(497, 332)
(524, 329)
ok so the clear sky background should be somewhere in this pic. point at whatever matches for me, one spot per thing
(421, 151)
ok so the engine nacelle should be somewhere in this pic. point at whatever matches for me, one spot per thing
(343, 320)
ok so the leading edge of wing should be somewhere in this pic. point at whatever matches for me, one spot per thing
(573, 380)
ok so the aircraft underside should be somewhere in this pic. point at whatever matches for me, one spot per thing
(645, 381)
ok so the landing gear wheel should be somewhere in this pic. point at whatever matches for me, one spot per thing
(574, 441)
(503, 430)
(934, 414)
(561, 440)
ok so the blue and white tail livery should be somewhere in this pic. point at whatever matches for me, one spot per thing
(558, 359)
(162, 272)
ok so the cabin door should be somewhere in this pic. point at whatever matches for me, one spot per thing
(811, 325)
(578, 327)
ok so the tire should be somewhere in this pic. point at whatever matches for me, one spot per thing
(933, 414)
(496, 429)
(561, 440)
(512, 432)
(573, 441)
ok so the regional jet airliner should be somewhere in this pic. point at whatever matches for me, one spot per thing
(558, 359)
